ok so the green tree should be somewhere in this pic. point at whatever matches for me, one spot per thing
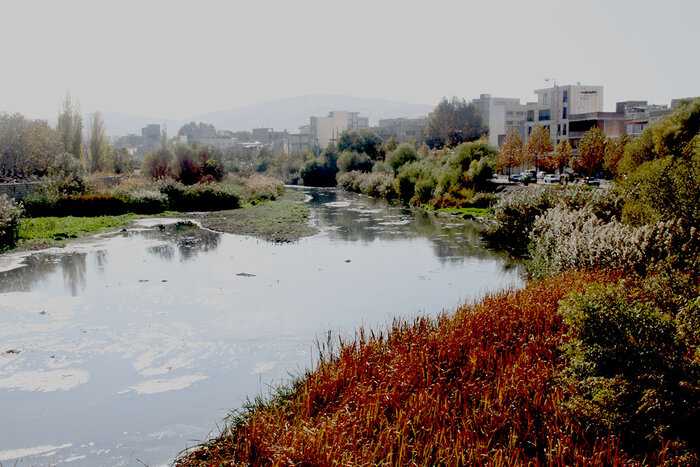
(454, 121)
(511, 152)
(97, 143)
(538, 147)
(352, 160)
(387, 146)
(591, 153)
(362, 141)
(119, 160)
(70, 128)
(678, 135)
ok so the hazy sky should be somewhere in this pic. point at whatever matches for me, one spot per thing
(174, 59)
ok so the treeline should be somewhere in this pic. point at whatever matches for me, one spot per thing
(31, 148)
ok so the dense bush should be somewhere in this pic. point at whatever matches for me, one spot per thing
(376, 184)
(156, 165)
(402, 155)
(10, 213)
(200, 197)
(261, 187)
(634, 367)
(516, 214)
(66, 175)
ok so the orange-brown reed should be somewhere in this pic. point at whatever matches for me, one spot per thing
(475, 386)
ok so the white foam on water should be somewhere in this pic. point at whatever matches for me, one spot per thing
(46, 381)
(156, 386)
(46, 449)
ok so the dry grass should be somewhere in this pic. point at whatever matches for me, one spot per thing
(477, 386)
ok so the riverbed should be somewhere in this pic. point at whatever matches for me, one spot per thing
(128, 347)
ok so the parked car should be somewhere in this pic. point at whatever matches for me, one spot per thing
(552, 178)
(541, 174)
(591, 181)
(514, 178)
(528, 177)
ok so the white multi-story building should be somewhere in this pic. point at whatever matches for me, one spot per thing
(555, 105)
(324, 130)
(501, 113)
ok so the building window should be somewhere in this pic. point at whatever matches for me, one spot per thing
(558, 129)
(565, 98)
(530, 115)
(544, 114)
(529, 130)
(545, 98)
(564, 113)
(563, 132)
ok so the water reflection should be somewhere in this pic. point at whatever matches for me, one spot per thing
(350, 217)
(74, 267)
(185, 237)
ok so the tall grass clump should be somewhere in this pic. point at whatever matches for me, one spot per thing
(261, 187)
(478, 386)
(563, 239)
(10, 214)
(515, 215)
(376, 184)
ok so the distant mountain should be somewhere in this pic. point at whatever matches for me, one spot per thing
(289, 114)
(282, 114)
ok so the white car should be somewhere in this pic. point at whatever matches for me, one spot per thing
(552, 178)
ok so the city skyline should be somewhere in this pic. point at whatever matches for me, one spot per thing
(167, 60)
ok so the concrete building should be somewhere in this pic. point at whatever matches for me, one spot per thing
(555, 106)
(501, 113)
(630, 117)
(405, 129)
(324, 130)
(270, 138)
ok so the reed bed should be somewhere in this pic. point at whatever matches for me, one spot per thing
(479, 385)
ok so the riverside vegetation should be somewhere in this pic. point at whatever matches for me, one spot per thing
(595, 361)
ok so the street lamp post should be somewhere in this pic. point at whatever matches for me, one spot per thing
(556, 109)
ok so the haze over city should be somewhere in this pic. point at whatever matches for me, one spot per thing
(172, 60)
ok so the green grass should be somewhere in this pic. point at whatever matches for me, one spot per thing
(278, 221)
(467, 213)
(54, 231)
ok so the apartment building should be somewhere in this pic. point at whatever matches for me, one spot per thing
(501, 113)
(555, 106)
(324, 130)
(405, 129)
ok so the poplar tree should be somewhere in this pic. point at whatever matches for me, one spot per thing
(70, 128)
(97, 143)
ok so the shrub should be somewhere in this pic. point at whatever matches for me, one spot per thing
(157, 164)
(202, 197)
(402, 155)
(631, 369)
(261, 187)
(10, 213)
(66, 175)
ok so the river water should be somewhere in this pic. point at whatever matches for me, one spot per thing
(127, 348)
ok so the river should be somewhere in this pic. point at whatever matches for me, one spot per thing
(128, 347)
